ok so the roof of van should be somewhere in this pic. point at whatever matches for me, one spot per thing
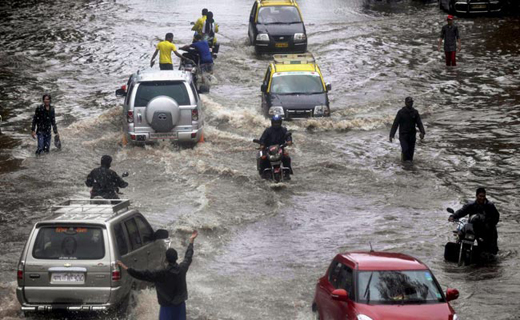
(86, 211)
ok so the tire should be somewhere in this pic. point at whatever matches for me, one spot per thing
(277, 176)
(451, 7)
(204, 88)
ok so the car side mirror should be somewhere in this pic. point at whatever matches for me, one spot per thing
(121, 92)
(161, 234)
(452, 294)
(328, 86)
(450, 210)
(263, 88)
(339, 295)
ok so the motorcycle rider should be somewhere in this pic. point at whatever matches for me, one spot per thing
(103, 181)
(485, 225)
(209, 30)
(276, 135)
(197, 27)
(202, 53)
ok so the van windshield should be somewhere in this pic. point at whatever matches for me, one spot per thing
(176, 90)
(69, 243)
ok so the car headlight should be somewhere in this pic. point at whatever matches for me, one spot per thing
(262, 37)
(276, 110)
(455, 317)
(300, 37)
(363, 317)
(320, 110)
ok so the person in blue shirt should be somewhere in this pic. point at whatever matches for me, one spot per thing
(199, 51)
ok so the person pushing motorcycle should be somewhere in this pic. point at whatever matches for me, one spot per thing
(485, 225)
(276, 135)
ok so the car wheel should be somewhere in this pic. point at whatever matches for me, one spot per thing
(451, 7)
(204, 88)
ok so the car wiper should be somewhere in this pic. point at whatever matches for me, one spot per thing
(367, 290)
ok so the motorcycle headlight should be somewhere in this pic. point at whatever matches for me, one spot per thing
(470, 236)
(300, 37)
(320, 110)
(363, 317)
(262, 37)
(274, 157)
(276, 110)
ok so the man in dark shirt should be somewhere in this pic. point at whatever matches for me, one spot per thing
(407, 119)
(170, 282)
(275, 135)
(103, 181)
(485, 226)
(451, 37)
(43, 119)
(202, 53)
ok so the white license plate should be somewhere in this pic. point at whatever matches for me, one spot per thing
(165, 135)
(68, 277)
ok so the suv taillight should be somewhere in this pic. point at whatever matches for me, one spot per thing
(116, 272)
(20, 270)
(194, 115)
(130, 116)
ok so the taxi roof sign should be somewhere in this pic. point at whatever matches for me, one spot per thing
(295, 58)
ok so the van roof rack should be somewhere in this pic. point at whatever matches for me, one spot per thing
(92, 205)
(294, 58)
(274, 1)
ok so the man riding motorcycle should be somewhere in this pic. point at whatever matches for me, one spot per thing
(104, 182)
(275, 135)
(485, 223)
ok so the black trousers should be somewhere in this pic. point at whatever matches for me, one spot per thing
(407, 146)
(165, 66)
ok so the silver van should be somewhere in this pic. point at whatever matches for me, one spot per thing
(162, 105)
(69, 261)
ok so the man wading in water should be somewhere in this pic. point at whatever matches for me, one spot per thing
(407, 119)
(170, 282)
(44, 118)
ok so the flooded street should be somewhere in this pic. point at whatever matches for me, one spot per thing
(262, 249)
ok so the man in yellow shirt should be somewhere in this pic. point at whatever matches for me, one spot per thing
(165, 48)
(197, 27)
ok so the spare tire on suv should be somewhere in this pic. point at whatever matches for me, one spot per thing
(162, 113)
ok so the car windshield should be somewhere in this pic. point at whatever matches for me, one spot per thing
(278, 14)
(69, 243)
(398, 287)
(173, 89)
(300, 82)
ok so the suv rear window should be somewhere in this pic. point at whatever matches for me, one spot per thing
(149, 90)
(69, 243)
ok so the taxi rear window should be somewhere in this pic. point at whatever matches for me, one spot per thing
(69, 243)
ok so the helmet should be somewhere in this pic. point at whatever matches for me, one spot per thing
(276, 121)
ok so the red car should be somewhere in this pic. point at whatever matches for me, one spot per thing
(381, 286)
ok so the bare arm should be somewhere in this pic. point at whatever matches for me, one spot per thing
(153, 57)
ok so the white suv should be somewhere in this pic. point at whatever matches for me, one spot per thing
(162, 105)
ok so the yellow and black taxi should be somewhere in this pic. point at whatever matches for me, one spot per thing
(277, 26)
(293, 87)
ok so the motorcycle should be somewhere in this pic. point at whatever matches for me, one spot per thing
(200, 72)
(465, 250)
(274, 154)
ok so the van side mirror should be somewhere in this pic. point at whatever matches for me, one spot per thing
(339, 295)
(450, 210)
(121, 92)
(452, 294)
(161, 234)
(328, 86)
(263, 88)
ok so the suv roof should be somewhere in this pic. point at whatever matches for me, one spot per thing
(265, 3)
(383, 261)
(163, 75)
(294, 62)
(86, 211)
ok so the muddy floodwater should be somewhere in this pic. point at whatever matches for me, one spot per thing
(261, 249)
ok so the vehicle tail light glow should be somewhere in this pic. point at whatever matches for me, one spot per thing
(194, 115)
(123, 87)
(20, 271)
(130, 116)
(116, 272)
(132, 136)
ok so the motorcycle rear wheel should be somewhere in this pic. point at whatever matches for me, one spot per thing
(277, 176)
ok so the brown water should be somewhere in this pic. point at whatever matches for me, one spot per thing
(261, 249)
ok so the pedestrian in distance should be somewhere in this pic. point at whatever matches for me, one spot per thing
(407, 119)
(44, 118)
(451, 37)
(165, 48)
(104, 182)
(170, 282)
